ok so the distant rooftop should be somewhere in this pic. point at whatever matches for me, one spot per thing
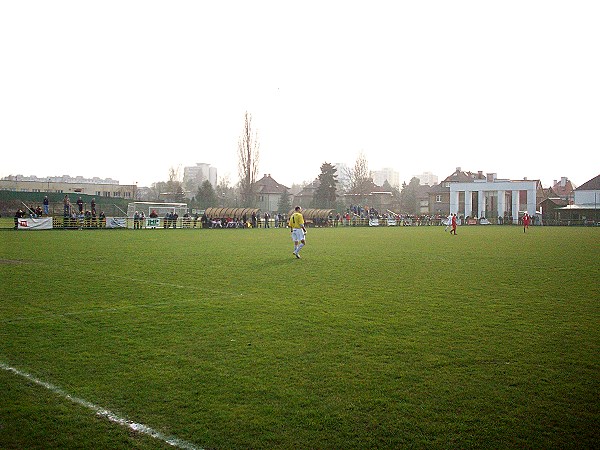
(61, 179)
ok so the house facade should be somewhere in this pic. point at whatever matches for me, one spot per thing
(439, 194)
(305, 197)
(269, 192)
(479, 195)
(585, 209)
(423, 199)
(563, 189)
(494, 199)
(588, 194)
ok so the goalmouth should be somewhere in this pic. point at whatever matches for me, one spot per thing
(161, 209)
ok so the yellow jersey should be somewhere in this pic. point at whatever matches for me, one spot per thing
(296, 220)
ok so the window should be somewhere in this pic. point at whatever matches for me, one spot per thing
(438, 199)
(116, 194)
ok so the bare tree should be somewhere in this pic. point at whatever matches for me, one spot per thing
(248, 155)
(175, 191)
(228, 195)
(171, 190)
(359, 177)
(173, 174)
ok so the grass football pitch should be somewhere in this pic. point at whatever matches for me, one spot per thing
(376, 338)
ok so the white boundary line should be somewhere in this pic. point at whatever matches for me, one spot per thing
(191, 287)
(99, 310)
(123, 421)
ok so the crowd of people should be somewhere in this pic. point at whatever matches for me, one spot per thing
(355, 215)
(139, 219)
(79, 217)
(73, 218)
(73, 215)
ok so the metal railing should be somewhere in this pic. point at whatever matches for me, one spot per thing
(82, 222)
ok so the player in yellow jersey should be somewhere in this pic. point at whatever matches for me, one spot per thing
(296, 223)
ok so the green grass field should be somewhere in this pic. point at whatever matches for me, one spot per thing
(376, 338)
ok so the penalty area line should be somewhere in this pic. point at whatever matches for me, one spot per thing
(123, 421)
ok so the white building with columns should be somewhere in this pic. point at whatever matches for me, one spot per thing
(491, 198)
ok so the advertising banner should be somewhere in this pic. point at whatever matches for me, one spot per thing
(153, 223)
(116, 222)
(374, 222)
(41, 223)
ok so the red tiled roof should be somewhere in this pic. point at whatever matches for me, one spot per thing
(460, 176)
(565, 190)
(267, 185)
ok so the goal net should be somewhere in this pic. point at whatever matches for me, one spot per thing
(161, 209)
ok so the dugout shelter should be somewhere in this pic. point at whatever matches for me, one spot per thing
(234, 213)
(316, 217)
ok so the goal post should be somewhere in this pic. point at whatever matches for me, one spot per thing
(160, 208)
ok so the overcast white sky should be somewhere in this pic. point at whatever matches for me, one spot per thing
(128, 89)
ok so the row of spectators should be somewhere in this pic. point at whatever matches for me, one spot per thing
(357, 213)
(87, 220)
(254, 221)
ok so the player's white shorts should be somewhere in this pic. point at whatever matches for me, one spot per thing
(297, 234)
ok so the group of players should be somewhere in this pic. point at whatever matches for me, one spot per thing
(451, 222)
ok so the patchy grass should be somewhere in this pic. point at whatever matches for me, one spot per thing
(377, 338)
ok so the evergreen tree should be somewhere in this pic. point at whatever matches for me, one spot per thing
(285, 203)
(326, 194)
(409, 196)
(206, 196)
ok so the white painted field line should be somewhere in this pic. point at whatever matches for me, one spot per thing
(123, 421)
(188, 287)
(100, 310)
(209, 291)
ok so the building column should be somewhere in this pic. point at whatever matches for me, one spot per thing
(481, 204)
(454, 201)
(468, 203)
(515, 206)
(531, 202)
(501, 203)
